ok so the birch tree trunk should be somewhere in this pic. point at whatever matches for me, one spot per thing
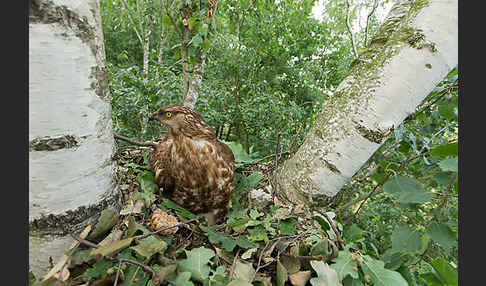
(410, 54)
(71, 171)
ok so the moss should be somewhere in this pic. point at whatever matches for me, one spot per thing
(73, 220)
(331, 167)
(371, 135)
(52, 144)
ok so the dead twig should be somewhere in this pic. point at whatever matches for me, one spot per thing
(334, 228)
(143, 266)
(259, 267)
(126, 139)
(84, 241)
(165, 228)
(276, 167)
(304, 257)
(232, 269)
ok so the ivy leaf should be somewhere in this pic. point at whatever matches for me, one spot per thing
(287, 226)
(249, 182)
(449, 165)
(98, 269)
(379, 274)
(326, 276)
(149, 246)
(240, 154)
(183, 279)
(228, 242)
(257, 234)
(407, 190)
(345, 265)
(147, 182)
(445, 272)
(197, 263)
(406, 240)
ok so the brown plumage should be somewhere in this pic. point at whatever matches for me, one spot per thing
(192, 166)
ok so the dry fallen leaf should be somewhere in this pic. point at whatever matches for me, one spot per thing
(57, 268)
(300, 278)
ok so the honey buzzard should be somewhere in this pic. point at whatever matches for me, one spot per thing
(193, 167)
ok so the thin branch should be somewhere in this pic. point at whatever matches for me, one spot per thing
(131, 20)
(263, 251)
(165, 228)
(375, 5)
(336, 231)
(348, 26)
(84, 241)
(304, 257)
(276, 167)
(147, 144)
(449, 188)
(172, 18)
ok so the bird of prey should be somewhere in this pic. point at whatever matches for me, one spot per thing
(193, 167)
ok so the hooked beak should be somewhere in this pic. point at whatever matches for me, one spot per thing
(153, 117)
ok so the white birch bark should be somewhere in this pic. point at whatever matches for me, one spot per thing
(68, 101)
(410, 54)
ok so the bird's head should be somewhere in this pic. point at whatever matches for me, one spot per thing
(180, 119)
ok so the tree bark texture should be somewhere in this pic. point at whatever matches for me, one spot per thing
(71, 171)
(410, 54)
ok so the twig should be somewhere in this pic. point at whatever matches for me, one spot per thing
(165, 228)
(131, 20)
(338, 236)
(147, 144)
(232, 269)
(263, 251)
(117, 272)
(143, 266)
(276, 167)
(348, 26)
(84, 241)
(304, 257)
(449, 188)
(375, 5)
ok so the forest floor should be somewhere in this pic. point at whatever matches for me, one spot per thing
(153, 241)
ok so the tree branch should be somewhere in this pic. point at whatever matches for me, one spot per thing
(126, 139)
(131, 20)
(348, 26)
(375, 5)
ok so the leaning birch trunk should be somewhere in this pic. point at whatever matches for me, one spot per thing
(71, 171)
(410, 54)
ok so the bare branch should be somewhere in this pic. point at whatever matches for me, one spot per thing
(126, 139)
(133, 22)
(348, 26)
(375, 5)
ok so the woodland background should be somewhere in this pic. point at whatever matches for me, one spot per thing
(267, 69)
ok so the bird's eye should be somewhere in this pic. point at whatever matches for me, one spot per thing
(168, 114)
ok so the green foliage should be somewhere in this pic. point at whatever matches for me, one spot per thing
(407, 190)
(197, 263)
(269, 68)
